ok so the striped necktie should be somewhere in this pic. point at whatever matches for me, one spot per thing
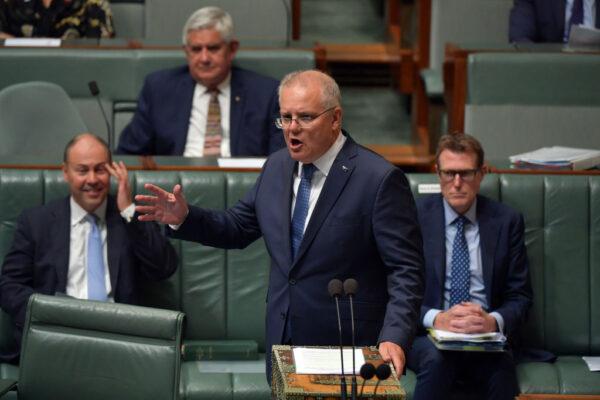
(213, 134)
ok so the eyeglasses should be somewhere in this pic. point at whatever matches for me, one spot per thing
(303, 121)
(467, 175)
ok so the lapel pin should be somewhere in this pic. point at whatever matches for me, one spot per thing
(237, 98)
(345, 168)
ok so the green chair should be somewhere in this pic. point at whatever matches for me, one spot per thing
(79, 349)
(37, 118)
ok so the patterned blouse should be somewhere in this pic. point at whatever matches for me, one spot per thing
(65, 19)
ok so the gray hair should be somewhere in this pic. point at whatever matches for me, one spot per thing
(330, 91)
(210, 18)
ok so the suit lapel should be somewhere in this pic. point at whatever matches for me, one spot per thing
(437, 242)
(488, 235)
(236, 110)
(114, 241)
(186, 88)
(61, 231)
(338, 176)
(287, 184)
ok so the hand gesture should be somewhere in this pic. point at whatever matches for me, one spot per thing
(391, 352)
(119, 172)
(163, 207)
(465, 317)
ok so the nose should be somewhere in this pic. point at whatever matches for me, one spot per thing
(204, 55)
(294, 125)
(92, 177)
(457, 180)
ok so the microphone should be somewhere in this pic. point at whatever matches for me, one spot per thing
(95, 91)
(383, 372)
(351, 287)
(367, 371)
(335, 288)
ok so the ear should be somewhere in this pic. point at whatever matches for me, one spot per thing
(337, 118)
(234, 45)
(64, 170)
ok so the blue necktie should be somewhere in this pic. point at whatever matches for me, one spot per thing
(301, 208)
(460, 273)
(95, 262)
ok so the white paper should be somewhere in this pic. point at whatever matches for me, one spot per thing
(441, 336)
(255, 163)
(584, 36)
(593, 363)
(31, 42)
(555, 155)
(326, 361)
(428, 188)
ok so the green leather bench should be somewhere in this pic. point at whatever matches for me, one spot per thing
(222, 292)
(120, 74)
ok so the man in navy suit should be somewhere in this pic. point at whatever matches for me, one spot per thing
(550, 20)
(351, 216)
(174, 116)
(52, 246)
(477, 276)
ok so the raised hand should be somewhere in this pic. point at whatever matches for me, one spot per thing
(119, 172)
(163, 207)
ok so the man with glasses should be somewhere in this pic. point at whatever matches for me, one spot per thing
(477, 277)
(208, 107)
(327, 209)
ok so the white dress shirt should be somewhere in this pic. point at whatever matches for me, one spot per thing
(589, 14)
(80, 229)
(194, 145)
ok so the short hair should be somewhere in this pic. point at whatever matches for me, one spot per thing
(77, 138)
(210, 18)
(330, 91)
(460, 143)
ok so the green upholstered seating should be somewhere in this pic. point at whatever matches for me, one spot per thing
(120, 74)
(37, 118)
(519, 102)
(74, 349)
(222, 292)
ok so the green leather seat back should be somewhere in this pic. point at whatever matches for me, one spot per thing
(513, 107)
(74, 349)
(128, 18)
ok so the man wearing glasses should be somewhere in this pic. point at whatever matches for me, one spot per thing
(327, 209)
(477, 276)
(207, 107)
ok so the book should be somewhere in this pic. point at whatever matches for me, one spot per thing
(557, 158)
(445, 340)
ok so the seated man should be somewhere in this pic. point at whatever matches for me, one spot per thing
(476, 274)
(88, 245)
(208, 107)
(550, 20)
(56, 18)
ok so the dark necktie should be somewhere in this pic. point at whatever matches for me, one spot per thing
(460, 273)
(301, 207)
(213, 134)
(96, 282)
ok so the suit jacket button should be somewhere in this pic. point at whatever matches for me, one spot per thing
(292, 282)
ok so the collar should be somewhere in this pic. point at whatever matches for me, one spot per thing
(78, 214)
(224, 87)
(325, 162)
(450, 215)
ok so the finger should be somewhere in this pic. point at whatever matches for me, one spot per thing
(111, 170)
(178, 193)
(147, 210)
(143, 198)
(156, 190)
(146, 217)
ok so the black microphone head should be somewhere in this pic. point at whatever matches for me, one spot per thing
(383, 372)
(367, 371)
(93, 88)
(350, 286)
(335, 287)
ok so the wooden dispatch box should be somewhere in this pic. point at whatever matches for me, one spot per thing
(287, 385)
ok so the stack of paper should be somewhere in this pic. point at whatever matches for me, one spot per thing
(444, 340)
(558, 157)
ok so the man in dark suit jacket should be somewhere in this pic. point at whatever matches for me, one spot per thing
(497, 288)
(543, 20)
(50, 249)
(173, 107)
(361, 224)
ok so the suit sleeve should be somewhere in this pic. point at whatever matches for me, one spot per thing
(16, 281)
(517, 293)
(138, 137)
(522, 22)
(400, 246)
(156, 257)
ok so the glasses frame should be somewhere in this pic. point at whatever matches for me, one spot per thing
(466, 175)
(302, 122)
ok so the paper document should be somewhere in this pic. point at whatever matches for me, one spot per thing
(31, 42)
(559, 156)
(256, 163)
(593, 363)
(326, 361)
(584, 36)
(442, 336)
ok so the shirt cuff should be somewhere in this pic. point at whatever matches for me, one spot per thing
(176, 227)
(499, 321)
(128, 213)
(430, 317)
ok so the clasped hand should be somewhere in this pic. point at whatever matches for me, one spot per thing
(465, 317)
